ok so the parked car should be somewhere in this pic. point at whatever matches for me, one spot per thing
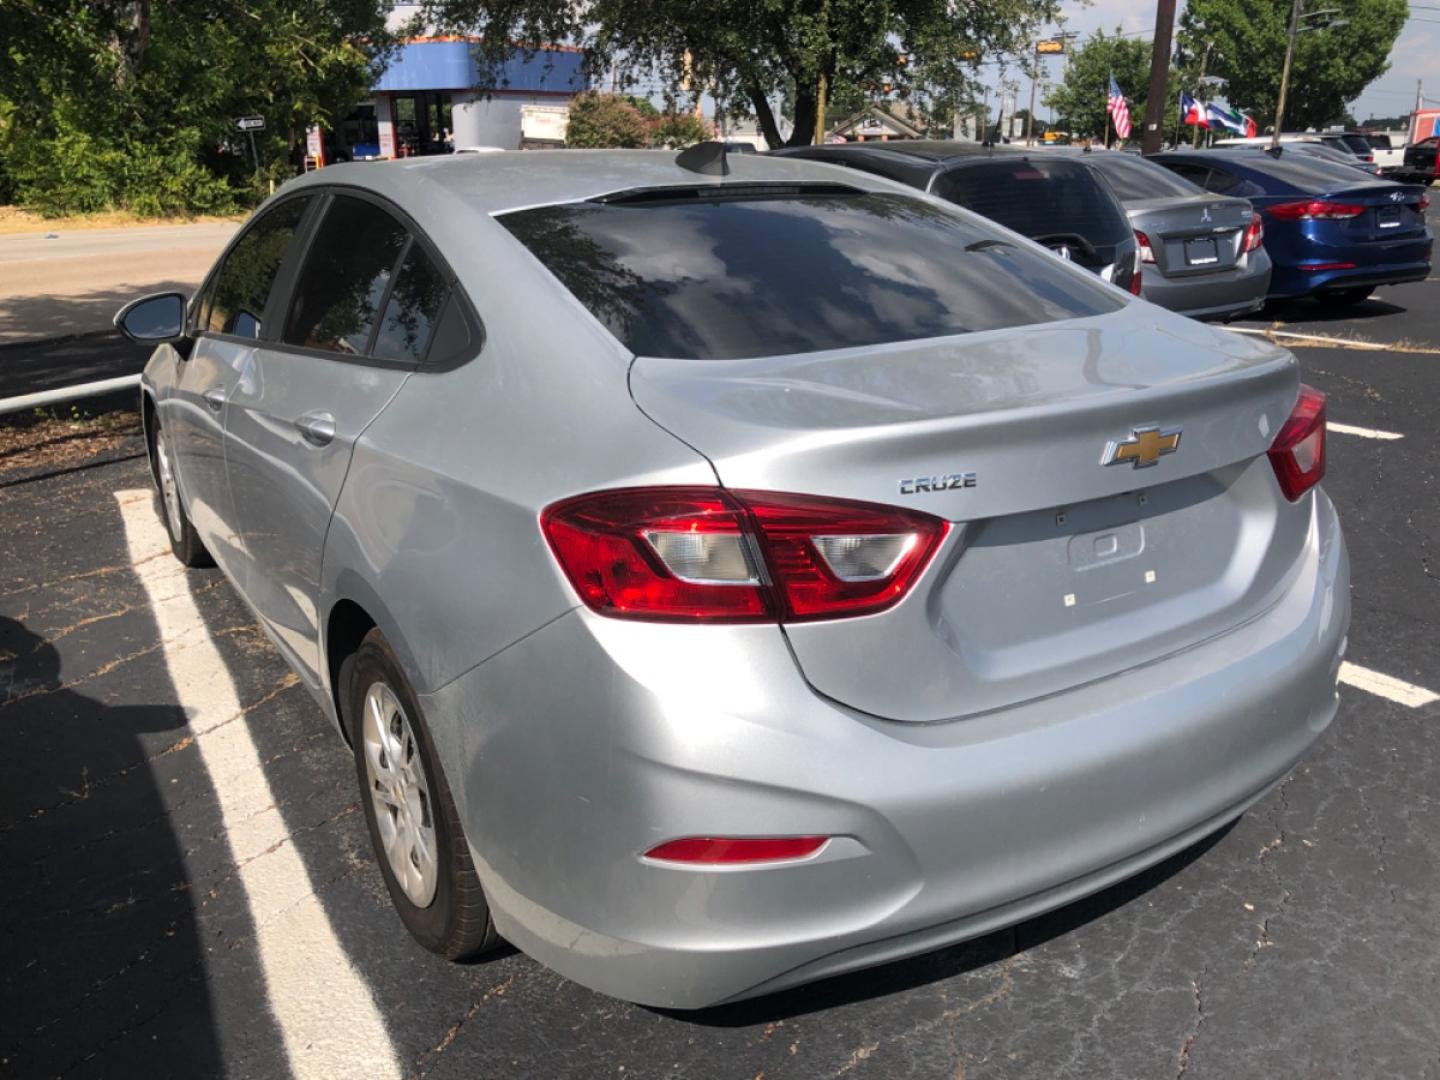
(1420, 165)
(1389, 153)
(1052, 199)
(732, 573)
(1323, 151)
(1330, 233)
(1351, 144)
(1200, 254)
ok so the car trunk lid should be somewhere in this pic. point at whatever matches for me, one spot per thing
(1058, 570)
(1192, 235)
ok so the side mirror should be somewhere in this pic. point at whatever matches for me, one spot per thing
(153, 320)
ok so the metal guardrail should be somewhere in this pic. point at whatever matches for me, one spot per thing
(63, 394)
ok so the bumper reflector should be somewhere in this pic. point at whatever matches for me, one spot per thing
(736, 850)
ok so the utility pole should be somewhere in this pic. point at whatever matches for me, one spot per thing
(1154, 132)
(1034, 77)
(1285, 74)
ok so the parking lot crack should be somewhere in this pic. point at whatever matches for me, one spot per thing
(1183, 1058)
(427, 1060)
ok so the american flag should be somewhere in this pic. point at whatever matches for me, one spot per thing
(1119, 111)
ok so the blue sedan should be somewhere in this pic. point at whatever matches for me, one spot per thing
(1330, 232)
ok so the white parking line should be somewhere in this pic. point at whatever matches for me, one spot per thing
(320, 1002)
(1348, 343)
(1363, 432)
(1386, 686)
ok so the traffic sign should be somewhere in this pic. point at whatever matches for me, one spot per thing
(250, 123)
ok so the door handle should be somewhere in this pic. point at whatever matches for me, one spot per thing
(316, 428)
(215, 398)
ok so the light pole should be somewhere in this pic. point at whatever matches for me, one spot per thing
(1297, 16)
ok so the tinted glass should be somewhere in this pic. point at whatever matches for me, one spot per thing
(765, 276)
(237, 299)
(346, 271)
(1309, 174)
(1038, 198)
(1378, 142)
(1196, 174)
(1357, 143)
(1136, 178)
(412, 310)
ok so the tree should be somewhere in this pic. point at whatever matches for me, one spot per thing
(679, 130)
(1079, 102)
(599, 121)
(747, 51)
(133, 103)
(1331, 67)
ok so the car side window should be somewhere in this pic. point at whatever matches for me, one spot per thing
(347, 270)
(1222, 183)
(237, 297)
(413, 309)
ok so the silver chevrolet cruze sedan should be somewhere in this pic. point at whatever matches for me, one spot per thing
(732, 574)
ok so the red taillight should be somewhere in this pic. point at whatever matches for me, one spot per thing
(1135, 282)
(712, 555)
(1298, 452)
(1312, 267)
(1315, 210)
(1254, 235)
(733, 850)
(1424, 203)
(1147, 253)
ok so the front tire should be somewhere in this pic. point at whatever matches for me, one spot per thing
(1347, 297)
(414, 826)
(184, 540)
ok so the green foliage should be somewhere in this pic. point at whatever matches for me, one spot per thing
(743, 53)
(132, 103)
(643, 106)
(679, 130)
(1331, 67)
(1079, 102)
(600, 121)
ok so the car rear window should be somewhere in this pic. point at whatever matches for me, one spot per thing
(1037, 198)
(1309, 174)
(688, 275)
(1378, 142)
(1135, 178)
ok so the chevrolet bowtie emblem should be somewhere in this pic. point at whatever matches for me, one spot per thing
(1144, 448)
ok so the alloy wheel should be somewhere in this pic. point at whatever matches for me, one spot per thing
(403, 806)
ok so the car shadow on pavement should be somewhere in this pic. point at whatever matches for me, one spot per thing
(101, 959)
(1322, 311)
(903, 975)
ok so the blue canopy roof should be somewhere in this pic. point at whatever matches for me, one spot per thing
(453, 65)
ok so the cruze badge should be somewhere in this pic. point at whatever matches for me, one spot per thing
(1144, 448)
(949, 482)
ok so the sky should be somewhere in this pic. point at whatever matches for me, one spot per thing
(1416, 54)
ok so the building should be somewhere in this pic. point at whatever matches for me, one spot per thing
(881, 121)
(437, 95)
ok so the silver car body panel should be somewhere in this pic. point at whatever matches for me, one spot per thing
(574, 742)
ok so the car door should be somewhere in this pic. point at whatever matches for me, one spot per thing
(357, 322)
(226, 322)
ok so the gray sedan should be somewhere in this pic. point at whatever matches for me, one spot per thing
(1202, 255)
(731, 574)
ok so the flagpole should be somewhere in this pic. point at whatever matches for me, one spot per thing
(1204, 59)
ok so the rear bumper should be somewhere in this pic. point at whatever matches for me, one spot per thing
(1374, 263)
(1224, 294)
(591, 740)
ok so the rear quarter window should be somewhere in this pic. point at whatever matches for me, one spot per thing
(737, 276)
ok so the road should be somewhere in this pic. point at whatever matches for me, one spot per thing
(74, 283)
(189, 888)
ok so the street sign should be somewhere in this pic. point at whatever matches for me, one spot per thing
(1054, 45)
(250, 123)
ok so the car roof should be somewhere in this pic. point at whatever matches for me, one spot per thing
(495, 183)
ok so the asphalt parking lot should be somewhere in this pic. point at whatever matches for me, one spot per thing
(188, 887)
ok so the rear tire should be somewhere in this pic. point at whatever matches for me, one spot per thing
(414, 826)
(1347, 297)
(184, 540)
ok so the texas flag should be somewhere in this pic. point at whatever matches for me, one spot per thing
(1191, 111)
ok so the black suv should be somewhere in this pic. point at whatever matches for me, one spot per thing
(1054, 200)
